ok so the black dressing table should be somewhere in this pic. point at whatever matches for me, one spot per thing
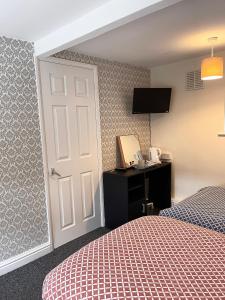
(133, 193)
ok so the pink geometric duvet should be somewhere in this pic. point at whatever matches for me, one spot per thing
(149, 258)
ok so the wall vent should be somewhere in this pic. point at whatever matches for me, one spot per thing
(193, 81)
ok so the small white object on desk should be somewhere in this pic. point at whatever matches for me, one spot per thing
(150, 163)
(143, 164)
(154, 154)
(167, 157)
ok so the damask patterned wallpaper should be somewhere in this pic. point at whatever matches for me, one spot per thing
(23, 221)
(23, 216)
(116, 83)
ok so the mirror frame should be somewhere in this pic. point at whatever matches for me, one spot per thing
(123, 161)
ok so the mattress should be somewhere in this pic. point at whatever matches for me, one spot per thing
(151, 257)
(206, 208)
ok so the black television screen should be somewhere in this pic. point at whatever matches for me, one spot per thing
(151, 100)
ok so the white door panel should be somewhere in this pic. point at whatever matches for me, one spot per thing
(66, 202)
(87, 186)
(69, 104)
(61, 132)
(81, 87)
(58, 85)
(84, 127)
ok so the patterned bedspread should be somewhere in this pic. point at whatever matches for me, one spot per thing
(149, 258)
(206, 208)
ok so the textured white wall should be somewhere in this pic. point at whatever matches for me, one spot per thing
(190, 130)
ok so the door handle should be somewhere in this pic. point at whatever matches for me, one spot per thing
(53, 172)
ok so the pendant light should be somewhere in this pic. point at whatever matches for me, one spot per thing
(212, 67)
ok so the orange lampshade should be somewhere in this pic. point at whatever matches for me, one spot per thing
(212, 68)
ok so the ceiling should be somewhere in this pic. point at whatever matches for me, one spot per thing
(32, 19)
(177, 32)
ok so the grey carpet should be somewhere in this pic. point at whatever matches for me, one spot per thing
(25, 283)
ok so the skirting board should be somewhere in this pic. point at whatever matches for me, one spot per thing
(24, 258)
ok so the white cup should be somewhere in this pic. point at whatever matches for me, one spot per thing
(141, 163)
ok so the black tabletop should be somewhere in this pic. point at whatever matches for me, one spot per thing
(132, 171)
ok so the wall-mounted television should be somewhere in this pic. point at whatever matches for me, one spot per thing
(151, 100)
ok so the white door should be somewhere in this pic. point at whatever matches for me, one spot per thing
(69, 107)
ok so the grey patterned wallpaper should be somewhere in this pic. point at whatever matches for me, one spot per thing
(116, 83)
(23, 217)
(23, 221)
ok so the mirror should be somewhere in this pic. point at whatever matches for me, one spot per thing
(130, 150)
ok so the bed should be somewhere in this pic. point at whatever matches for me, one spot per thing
(151, 257)
(206, 208)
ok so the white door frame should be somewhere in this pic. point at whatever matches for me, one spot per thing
(43, 135)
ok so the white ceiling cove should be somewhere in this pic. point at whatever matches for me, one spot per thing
(32, 19)
(171, 34)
